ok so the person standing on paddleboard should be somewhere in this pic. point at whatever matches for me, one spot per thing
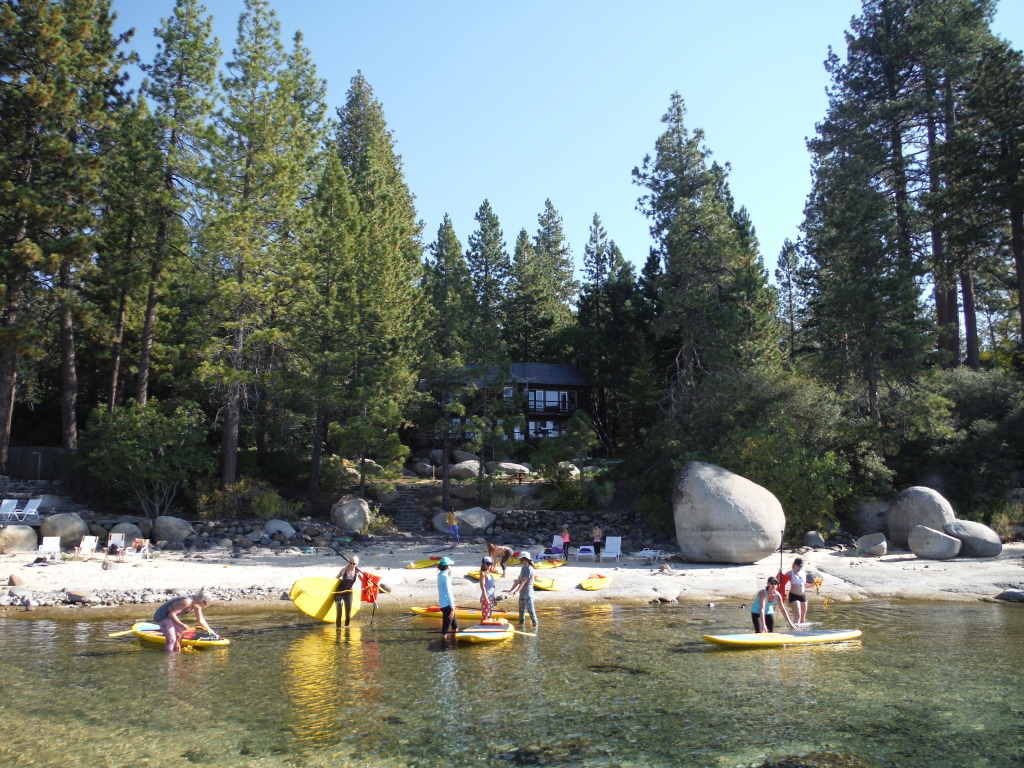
(524, 585)
(343, 598)
(486, 588)
(762, 612)
(167, 616)
(798, 590)
(445, 598)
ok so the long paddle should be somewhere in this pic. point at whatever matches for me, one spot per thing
(120, 634)
(528, 634)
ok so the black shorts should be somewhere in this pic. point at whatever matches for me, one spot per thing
(797, 598)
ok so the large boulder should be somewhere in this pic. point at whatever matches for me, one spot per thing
(460, 456)
(68, 525)
(279, 526)
(873, 545)
(130, 530)
(721, 517)
(19, 538)
(350, 513)
(171, 529)
(505, 468)
(423, 469)
(976, 540)
(929, 544)
(917, 506)
(464, 470)
(472, 522)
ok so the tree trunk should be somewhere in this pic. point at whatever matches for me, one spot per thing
(148, 328)
(115, 366)
(319, 428)
(8, 379)
(1017, 247)
(970, 320)
(229, 438)
(68, 373)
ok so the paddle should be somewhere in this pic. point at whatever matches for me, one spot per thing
(120, 634)
(528, 634)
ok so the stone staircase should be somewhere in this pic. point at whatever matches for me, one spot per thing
(407, 511)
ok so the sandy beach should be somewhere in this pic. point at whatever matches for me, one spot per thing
(265, 576)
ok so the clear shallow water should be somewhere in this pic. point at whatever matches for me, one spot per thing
(928, 685)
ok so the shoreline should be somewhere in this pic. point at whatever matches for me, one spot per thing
(260, 580)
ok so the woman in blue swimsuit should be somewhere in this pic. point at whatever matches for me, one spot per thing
(762, 611)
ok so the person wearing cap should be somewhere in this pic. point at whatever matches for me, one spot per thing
(524, 586)
(762, 611)
(798, 590)
(486, 588)
(445, 598)
(168, 617)
(349, 575)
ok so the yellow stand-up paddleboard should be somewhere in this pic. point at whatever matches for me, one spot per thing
(488, 631)
(595, 581)
(314, 596)
(545, 564)
(430, 562)
(545, 584)
(465, 613)
(195, 637)
(775, 639)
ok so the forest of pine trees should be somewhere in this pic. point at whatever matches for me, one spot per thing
(219, 280)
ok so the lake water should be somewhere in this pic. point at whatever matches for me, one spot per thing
(928, 685)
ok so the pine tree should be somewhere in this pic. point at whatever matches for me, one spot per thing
(181, 87)
(386, 317)
(558, 288)
(59, 84)
(489, 269)
(528, 321)
(715, 306)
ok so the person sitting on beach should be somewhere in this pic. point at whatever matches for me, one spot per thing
(501, 555)
(167, 616)
(762, 611)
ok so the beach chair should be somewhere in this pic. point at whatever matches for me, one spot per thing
(30, 512)
(86, 546)
(50, 548)
(7, 511)
(115, 546)
(585, 550)
(556, 543)
(654, 555)
(140, 549)
(612, 548)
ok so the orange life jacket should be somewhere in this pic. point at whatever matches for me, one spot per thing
(371, 587)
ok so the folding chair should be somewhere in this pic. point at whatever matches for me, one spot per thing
(87, 545)
(140, 548)
(115, 546)
(654, 555)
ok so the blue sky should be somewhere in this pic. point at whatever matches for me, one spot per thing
(520, 102)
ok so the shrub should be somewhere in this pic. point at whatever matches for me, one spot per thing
(1005, 517)
(246, 498)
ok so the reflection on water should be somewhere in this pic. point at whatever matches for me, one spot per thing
(602, 685)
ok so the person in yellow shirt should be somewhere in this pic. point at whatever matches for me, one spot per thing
(453, 525)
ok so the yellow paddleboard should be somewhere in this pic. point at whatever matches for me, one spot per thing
(430, 562)
(465, 613)
(545, 584)
(195, 637)
(481, 633)
(775, 639)
(314, 596)
(543, 564)
(595, 581)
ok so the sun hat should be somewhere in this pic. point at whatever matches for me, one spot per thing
(525, 556)
(446, 561)
(489, 560)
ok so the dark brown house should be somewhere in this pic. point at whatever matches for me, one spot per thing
(552, 393)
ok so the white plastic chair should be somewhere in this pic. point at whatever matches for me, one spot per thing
(586, 550)
(612, 548)
(654, 555)
(50, 548)
(556, 541)
(30, 512)
(140, 548)
(7, 510)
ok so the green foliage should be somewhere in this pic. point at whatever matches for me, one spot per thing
(378, 523)
(147, 452)
(1006, 517)
(248, 498)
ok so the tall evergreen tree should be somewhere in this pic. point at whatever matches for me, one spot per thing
(529, 321)
(180, 85)
(790, 297)
(386, 320)
(716, 307)
(59, 83)
(554, 269)
(489, 270)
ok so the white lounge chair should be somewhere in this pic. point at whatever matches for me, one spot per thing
(556, 543)
(50, 548)
(612, 548)
(87, 546)
(654, 555)
(30, 512)
(585, 550)
(7, 510)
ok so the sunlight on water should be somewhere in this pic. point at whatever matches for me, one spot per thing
(928, 685)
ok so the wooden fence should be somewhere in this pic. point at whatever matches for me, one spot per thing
(41, 462)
